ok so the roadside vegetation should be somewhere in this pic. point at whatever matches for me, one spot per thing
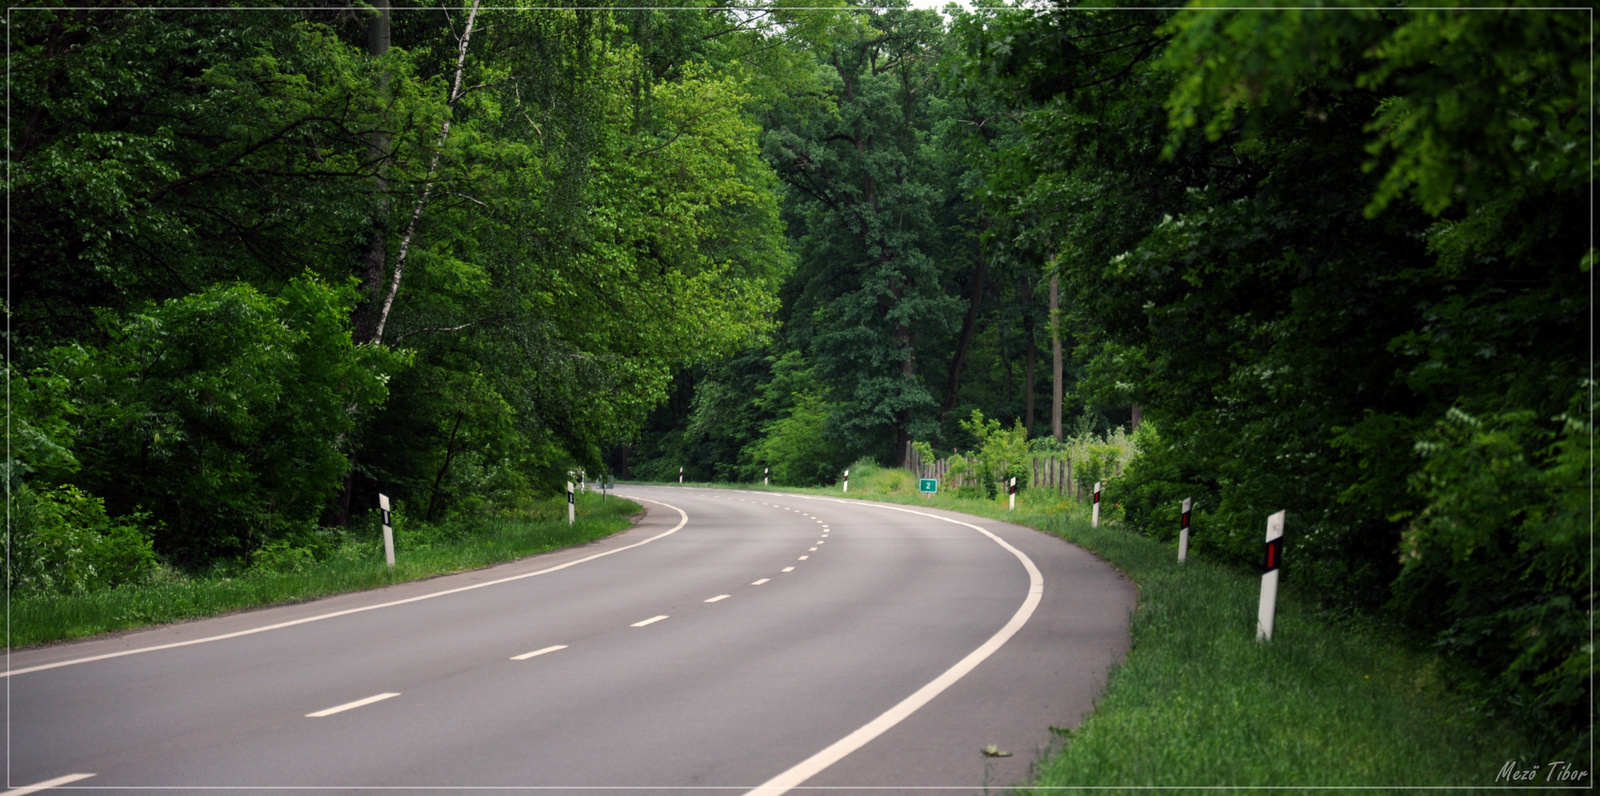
(1198, 702)
(330, 563)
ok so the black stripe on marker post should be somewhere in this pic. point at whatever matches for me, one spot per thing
(1274, 555)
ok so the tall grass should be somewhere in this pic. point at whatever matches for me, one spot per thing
(423, 551)
(1198, 702)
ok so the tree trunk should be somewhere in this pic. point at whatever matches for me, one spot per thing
(449, 454)
(969, 327)
(908, 374)
(1027, 378)
(1055, 356)
(374, 258)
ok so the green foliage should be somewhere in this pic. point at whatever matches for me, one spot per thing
(62, 542)
(224, 413)
(1497, 562)
(1382, 224)
(1001, 453)
(798, 447)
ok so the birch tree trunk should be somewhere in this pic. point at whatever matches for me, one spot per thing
(427, 189)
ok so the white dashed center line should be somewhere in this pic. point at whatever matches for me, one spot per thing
(759, 582)
(526, 655)
(788, 569)
(815, 549)
(350, 705)
(652, 620)
(802, 558)
(719, 597)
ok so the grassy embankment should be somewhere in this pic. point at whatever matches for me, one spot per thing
(1199, 702)
(422, 551)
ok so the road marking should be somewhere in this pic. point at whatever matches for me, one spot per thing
(526, 655)
(719, 597)
(652, 620)
(815, 549)
(682, 521)
(788, 569)
(350, 705)
(802, 558)
(814, 764)
(47, 784)
(759, 582)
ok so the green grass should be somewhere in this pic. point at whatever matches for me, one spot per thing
(1199, 702)
(424, 553)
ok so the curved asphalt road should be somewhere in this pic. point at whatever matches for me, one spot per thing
(782, 625)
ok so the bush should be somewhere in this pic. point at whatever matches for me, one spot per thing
(1497, 565)
(225, 413)
(62, 542)
(798, 448)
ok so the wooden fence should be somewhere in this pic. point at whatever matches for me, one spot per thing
(1049, 472)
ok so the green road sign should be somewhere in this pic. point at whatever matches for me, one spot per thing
(928, 485)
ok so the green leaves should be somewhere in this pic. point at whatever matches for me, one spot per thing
(227, 408)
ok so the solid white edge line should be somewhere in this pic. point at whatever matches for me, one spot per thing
(47, 784)
(683, 520)
(526, 655)
(814, 764)
(652, 620)
(352, 705)
(719, 597)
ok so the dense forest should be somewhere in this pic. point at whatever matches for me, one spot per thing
(266, 264)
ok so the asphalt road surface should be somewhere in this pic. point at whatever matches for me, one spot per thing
(733, 639)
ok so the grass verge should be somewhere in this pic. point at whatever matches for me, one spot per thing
(357, 565)
(1199, 703)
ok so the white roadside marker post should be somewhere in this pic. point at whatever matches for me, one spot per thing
(1183, 533)
(388, 531)
(1269, 578)
(1094, 519)
(766, 475)
(572, 505)
(680, 475)
(1011, 489)
(847, 480)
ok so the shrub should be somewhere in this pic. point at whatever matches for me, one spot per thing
(62, 542)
